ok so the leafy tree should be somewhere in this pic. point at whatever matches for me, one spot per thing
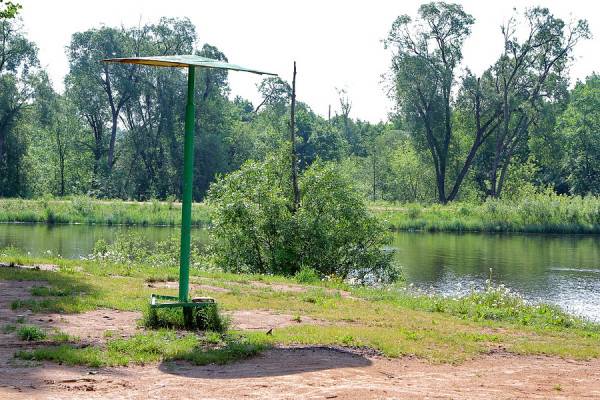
(580, 127)
(100, 90)
(427, 53)
(275, 92)
(409, 179)
(529, 73)
(18, 74)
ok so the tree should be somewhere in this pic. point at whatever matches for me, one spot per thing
(293, 155)
(426, 55)
(580, 127)
(18, 75)
(150, 163)
(275, 92)
(529, 73)
(99, 90)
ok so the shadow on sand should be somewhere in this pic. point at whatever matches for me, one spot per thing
(273, 362)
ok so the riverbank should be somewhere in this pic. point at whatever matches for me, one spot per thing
(86, 210)
(541, 213)
(391, 321)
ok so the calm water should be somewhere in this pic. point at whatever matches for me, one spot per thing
(559, 269)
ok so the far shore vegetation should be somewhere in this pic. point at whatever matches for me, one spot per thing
(537, 213)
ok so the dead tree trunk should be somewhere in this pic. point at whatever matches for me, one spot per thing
(293, 144)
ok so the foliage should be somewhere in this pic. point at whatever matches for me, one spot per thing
(511, 131)
(9, 9)
(543, 212)
(135, 248)
(255, 228)
(30, 333)
(580, 127)
(307, 275)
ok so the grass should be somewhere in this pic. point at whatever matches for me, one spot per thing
(31, 333)
(538, 213)
(392, 320)
(86, 210)
(207, 318)
(162, 345)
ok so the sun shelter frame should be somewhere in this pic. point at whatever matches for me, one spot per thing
(191, 62)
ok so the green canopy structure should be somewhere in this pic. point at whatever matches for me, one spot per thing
(191, 62)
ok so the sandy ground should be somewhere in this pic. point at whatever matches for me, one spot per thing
(281, 373)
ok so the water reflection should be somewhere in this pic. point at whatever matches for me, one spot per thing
(558, 269)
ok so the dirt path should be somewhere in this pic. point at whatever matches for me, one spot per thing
(281, 373)
(313, 373)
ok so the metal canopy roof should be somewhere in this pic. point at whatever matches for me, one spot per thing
(182, 61)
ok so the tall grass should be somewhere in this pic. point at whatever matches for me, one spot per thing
(86, 210)
(539, 213)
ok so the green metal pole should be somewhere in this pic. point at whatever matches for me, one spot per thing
(186, 207)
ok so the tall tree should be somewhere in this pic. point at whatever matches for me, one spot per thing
(18, 76)
(427, 53)
(294, 158)
(580, 127)
(529, 73)
(101, 90)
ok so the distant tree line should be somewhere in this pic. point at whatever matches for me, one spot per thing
(116, 131)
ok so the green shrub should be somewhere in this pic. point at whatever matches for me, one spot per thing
(30, 333)
(257, 229)
(307, 275)
(414, 211)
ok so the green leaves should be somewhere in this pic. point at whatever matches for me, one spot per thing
(332, 233)
(580, 126)
(9, 9)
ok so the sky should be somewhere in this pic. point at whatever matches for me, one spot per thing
(336, 44)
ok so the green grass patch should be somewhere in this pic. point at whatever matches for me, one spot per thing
(392, 320)
(538, 213)
(163, 345)
(207, 318)
(87, 210)
(31, 333)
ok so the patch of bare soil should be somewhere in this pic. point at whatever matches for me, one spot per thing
(91, 326)
(280, 373)
(294, 288)
(263, 320)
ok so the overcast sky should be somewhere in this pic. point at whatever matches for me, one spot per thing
(336, 44)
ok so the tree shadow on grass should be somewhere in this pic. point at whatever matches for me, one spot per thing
(272, 362)
(41, 291)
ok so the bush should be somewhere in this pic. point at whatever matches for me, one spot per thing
(307, 275)
(256, 228)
